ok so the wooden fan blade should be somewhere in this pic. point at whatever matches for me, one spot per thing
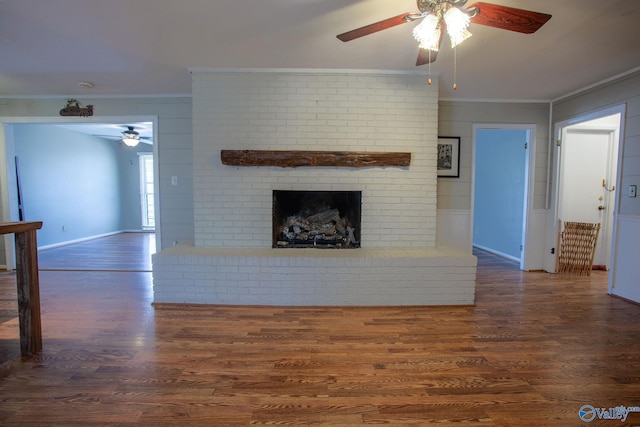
(425, 58)
(423, 54)
(509, 18)
(373, 28)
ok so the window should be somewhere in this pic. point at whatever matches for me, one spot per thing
(146, 191)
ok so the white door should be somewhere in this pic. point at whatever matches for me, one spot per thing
(587, 182)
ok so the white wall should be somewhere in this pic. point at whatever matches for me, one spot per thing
(314, 111)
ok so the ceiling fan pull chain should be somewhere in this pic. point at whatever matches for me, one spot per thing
(455, 67)
(429, 79)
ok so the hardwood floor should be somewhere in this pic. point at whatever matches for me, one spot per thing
(531, 352)
(118, 252)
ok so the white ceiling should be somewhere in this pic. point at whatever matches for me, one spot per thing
(112, 131)
(145, 47)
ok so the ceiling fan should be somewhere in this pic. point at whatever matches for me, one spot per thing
(451, 16)
(129, 135)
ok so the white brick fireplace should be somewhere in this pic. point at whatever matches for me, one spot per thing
(233, 262)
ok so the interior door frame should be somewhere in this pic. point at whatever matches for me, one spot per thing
(529, 180)
(553, 226)
(576, 134)
(7, 177)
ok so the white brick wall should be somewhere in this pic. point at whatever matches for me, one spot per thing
(314, 276)
(313, 111)
(233, 262)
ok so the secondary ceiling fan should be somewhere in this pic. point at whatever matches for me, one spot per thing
(130, 137)
(451, 16)
(127, 134)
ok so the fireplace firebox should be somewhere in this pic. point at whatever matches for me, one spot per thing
(316, 219)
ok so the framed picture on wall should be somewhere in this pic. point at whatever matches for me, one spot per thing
(449, 156)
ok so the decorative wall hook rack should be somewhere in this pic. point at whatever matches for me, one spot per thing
(73, 108)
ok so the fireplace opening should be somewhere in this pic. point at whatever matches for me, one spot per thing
(316, 219)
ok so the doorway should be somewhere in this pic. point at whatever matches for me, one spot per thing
(587, 162)
(8, 176)
(501, 189)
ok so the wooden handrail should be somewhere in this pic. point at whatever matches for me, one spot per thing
(19, 226)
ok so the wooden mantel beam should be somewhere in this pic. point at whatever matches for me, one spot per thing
(294, 159)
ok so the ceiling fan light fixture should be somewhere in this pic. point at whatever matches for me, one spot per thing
(457, 23)
(455, 17)
(130, 137)
(427, 33)
(130, 142)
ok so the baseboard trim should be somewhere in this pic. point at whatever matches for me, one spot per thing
(498, 253)
(72, 242)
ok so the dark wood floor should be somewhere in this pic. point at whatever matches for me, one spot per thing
(531, 352)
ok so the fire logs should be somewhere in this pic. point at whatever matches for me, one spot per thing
(325, 229)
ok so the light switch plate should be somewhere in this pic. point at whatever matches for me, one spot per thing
(633, 190)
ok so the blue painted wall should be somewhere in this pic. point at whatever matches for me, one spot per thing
(499, 190)
(75, 183)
